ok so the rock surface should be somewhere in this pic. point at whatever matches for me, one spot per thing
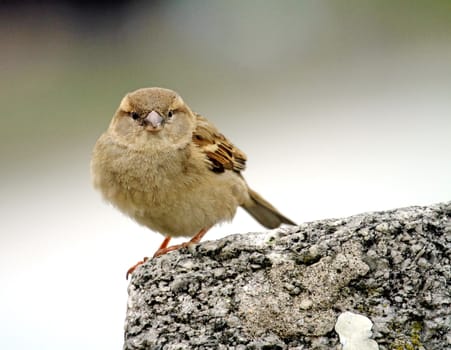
(284, 289)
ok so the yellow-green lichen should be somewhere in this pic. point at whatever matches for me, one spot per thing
(414, 343)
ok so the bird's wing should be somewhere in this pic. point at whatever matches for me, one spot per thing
(220, 153)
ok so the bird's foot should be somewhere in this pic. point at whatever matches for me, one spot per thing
(165, 249)
(161, 251)
(133, 268)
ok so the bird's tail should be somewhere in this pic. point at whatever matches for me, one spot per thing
(264, 212)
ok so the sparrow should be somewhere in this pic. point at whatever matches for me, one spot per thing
(172, 171)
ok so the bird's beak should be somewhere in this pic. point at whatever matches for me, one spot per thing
(154, 120)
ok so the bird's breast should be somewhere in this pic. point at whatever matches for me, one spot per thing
(171, 192)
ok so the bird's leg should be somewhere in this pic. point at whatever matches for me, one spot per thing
(165, 249)
(165, 243)
(196, 239)
(162, 246)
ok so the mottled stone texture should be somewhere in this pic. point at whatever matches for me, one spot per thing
(284, 289)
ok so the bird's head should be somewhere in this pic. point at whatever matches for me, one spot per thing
(151, 115)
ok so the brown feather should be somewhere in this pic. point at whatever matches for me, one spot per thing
(264, 212)
(220, 153)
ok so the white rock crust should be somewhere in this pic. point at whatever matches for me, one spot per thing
(355, 331)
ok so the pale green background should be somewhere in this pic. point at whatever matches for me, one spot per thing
(341, 106)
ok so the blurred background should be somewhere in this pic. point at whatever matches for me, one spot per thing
(341, 106)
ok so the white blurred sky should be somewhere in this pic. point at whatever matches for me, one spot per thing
(367, 129)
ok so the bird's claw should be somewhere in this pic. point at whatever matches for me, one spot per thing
(133, 268)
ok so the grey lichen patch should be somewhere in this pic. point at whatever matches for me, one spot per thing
(292, 300)
(285, 289)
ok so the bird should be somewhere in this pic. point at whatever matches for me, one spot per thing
(171, 170)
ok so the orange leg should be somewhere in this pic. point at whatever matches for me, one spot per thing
(165, 249)
(196, 239)
(165, 243)
(133, 268)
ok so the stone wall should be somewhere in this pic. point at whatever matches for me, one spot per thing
(285, 289)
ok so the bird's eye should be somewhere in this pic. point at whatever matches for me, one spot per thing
(170, 114)
(134, 115)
